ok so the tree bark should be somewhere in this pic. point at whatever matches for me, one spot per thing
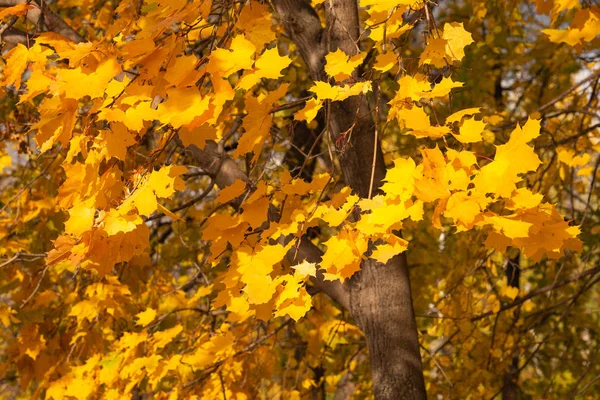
(510, 390)
(379, 295)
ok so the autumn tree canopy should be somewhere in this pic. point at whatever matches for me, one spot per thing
(220, 199)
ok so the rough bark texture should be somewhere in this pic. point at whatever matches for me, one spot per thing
(379, 295)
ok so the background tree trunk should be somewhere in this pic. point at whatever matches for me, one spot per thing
(510, 391)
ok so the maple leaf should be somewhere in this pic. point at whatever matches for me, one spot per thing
(325, 91)
(344, 255)
(256, 21)
(16, 10)
(568, 157)
(417, 121)
(399, 180)
(434, 53)
(457, 39)
(146, 316)
(255, 268)
(258, 123)
(310, 111)
(225, 61)
(76, 84)
(384, 252)
(306, 269)
(16, 62)
(162, 338)
(56, 123)
(183, 71)
(197, 136)
(340, 66)
(269, 65)
(386, 61)
(230, 192)
(81, 218)
(183, 106)
(470, 131)
(501, 175)
(459, 115)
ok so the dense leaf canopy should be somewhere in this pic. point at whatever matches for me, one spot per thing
(178, 218)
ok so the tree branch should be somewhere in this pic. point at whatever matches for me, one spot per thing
(209, 159)
(50, 18)
(14, 36)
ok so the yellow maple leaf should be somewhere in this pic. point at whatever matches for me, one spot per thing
(198, 136)
(411, 87)
(470, 131)
(457, 116)
(384, 252)
(418, 87)
(115, 143)
(434, 53)
(464, 207)
(257, 124)
(549, 234)
(76, 84)
(568, 157)
(417, 121)
(293, 301)
(457, 39)
(145, 317)
(230, 192)
(182, 71)
(501, 175)
(344, 254)
(167, 180)
(340, 66)
(399, 180)
(162, 338)
(81, 218)
(225, 61)
(16, 62)
(510, 292)
(255, 267)
(270, 64)
(310, 110)
(305, 269)
(255, 20)
(443, 88)
(523, 198)
(58, 117)
(143, 199)
(85, 310)
(325, 91)
(17, 10)
(183, 105)
(511, 226)
(386, 61)
(115, 222)
(584, 27)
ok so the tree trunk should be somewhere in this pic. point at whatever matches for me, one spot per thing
(379, 296)
(510, 390)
